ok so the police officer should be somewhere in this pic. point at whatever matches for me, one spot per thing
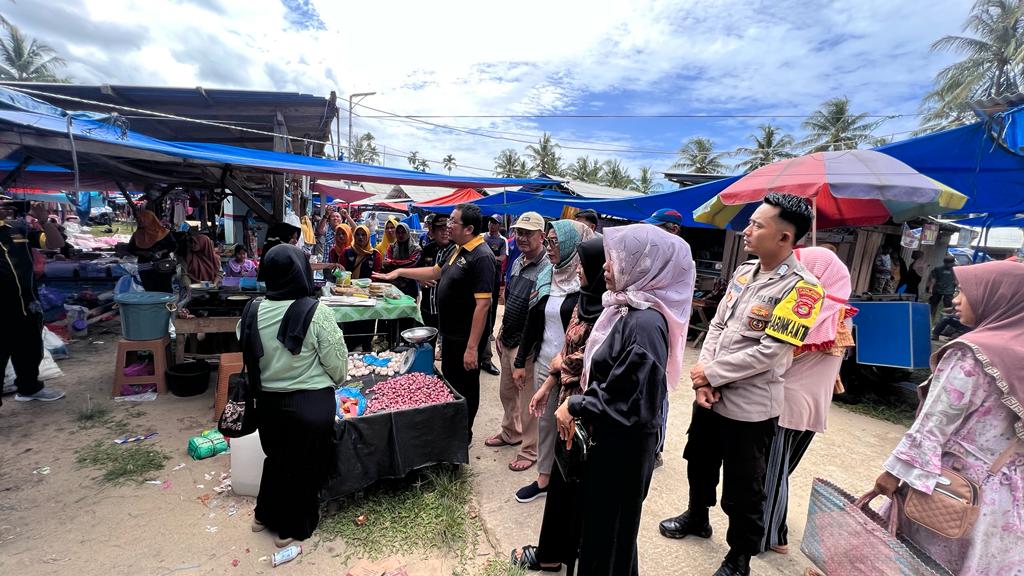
(770, 306)
(21, 340)
(465, 280)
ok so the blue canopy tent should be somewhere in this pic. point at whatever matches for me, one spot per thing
(969, 160)
(44, 131)
(550, 203)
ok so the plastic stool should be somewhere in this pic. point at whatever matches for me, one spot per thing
(230, 364)
(158, 348)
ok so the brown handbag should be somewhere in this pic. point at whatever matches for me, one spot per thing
(953, 506)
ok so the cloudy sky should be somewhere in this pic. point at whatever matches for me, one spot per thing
(727, 65)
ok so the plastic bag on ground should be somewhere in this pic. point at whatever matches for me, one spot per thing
(48, 370)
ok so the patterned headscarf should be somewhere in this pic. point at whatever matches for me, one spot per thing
(411, 245)
(653, 269)
(993, 290)
(564, 279)
(835, 279)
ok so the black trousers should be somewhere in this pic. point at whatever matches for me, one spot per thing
(21, 342)
(465, 382)
(740, 451)
(297, 435)
(616, 481)
(559, 539)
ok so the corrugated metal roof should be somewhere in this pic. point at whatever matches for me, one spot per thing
(305, 115)
(587, 190)
(421, 193)
(382, 190)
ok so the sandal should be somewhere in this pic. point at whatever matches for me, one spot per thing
(528, 559)
(497, 441)
(516, 465)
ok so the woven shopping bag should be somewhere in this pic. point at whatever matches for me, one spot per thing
(845, 537)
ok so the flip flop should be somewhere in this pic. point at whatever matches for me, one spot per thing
(528, 559)
(497, 441)
(516, 467)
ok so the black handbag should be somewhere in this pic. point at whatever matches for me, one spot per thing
(572, 462)
(240, 416)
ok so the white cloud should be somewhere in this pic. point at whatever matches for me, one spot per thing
(533, 56)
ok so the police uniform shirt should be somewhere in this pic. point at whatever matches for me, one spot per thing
(749, 345)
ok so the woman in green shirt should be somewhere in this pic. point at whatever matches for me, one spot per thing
(299, 355)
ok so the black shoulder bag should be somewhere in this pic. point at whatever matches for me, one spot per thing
(572, 462)
(240, 416)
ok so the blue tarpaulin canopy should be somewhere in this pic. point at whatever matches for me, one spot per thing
(550, 203)
(32, 124)
(969, 160)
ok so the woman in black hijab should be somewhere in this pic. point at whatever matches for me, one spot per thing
(294, 350)
(560, 530)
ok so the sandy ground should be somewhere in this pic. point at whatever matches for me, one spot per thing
(65, 522)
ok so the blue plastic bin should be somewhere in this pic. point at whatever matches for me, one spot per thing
(144, 315)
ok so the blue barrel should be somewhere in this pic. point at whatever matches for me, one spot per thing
(144, 315)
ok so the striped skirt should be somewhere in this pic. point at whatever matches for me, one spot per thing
(788, 447)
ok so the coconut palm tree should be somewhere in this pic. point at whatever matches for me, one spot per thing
(449, 163)
(645, 183)
(834, 127)
(508, 164)
(544, 156)
(585, 170)
(769, 146)
(614, 174)
(26, 59)
(365, 150)
(414, 159)
(993, 63)
(698, 156)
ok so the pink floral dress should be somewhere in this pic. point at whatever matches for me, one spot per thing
(964, 424)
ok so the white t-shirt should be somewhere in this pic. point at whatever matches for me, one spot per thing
(554, 334)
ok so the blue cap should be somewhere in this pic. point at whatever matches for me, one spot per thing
(665, 216)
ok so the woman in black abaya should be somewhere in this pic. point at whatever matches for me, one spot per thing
(633, 356)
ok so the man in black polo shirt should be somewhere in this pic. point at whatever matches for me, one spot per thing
(464, 283)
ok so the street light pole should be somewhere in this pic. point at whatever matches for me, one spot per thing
(359, 95)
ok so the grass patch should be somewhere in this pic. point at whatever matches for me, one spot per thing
(890, 409)
(496, 567)
(92, 415)
(121, 464)
(427, 512)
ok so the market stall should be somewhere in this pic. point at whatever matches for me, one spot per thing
(394, 416)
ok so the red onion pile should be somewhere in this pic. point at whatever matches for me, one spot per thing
(407, 391)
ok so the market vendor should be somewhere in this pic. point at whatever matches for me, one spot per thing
(21, 340)
(240, 265)
(403, 253)
(341, 241)
(464, 284)
(154, 246)
(361, 259)
(201, 261)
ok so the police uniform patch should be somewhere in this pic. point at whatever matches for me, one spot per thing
(794, 316)
(743, 279)
(762, 312)
(757, 324)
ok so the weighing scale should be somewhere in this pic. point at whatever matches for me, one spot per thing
(420, 358)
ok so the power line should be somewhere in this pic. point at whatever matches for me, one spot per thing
(626, 116)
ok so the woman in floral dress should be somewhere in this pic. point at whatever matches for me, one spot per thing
(973, 415)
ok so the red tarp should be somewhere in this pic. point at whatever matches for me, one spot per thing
(339, 192)
(459, 196)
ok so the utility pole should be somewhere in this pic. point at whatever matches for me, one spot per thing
(360, 96)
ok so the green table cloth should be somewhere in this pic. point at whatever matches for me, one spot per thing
(384, 310)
